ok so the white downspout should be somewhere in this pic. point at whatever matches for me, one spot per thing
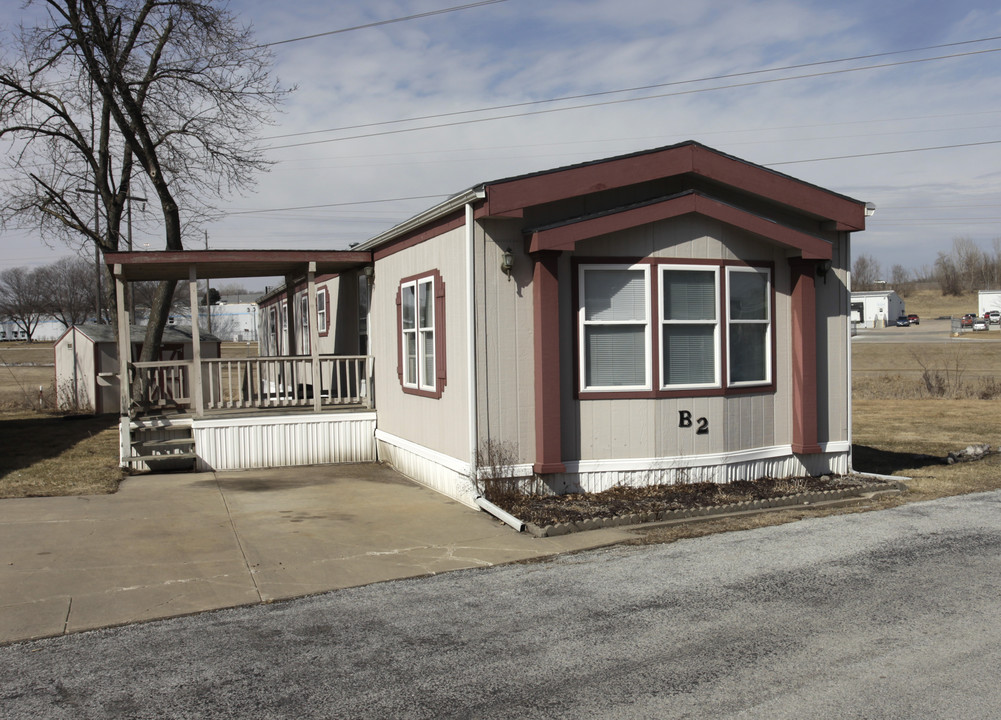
(471, 341)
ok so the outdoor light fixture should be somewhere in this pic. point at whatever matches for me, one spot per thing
(369, 272)
(507, 263)
(823, 267)
(870, 209)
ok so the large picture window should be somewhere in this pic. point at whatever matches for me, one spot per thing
(712, 327)
(421, 321)
(615, 328)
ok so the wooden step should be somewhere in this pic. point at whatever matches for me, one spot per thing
(158, 458)
(172, 442)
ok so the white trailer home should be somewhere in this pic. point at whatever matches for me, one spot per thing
(669, 315)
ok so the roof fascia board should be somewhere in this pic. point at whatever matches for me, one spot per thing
(849, 214)
(509, 196)
(566, 236)
(430, 215)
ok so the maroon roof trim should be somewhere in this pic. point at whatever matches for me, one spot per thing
(566, 236)
(505, 196)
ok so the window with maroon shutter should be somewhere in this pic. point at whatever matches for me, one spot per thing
(420, 319)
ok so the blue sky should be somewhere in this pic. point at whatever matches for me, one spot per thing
(521, 51)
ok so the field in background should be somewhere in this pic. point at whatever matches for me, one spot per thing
(932, 304)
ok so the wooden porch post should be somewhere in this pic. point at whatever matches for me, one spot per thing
(290, 315)
(124, 355)
(196, 344)
(314, 336)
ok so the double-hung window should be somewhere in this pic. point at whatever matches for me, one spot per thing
(750, 326)
(615, 327)
(417, 308)
(321, 311)
(690, 335)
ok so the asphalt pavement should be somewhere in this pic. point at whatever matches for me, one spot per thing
(891, 614)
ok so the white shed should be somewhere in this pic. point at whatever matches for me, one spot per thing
(87, 363)
(989, 300)
(876, 308)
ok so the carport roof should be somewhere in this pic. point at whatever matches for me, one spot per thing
(170, 265)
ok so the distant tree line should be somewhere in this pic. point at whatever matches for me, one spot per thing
(67, 291)
(966, 268)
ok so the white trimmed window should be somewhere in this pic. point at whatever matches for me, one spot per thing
(304, 321)
(690, 335)
(749, 324)
(614, 327)
(417, 307)
(321, 311)
(657, 327)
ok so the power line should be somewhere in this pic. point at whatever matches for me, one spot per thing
(378, 23)
(638, 88)
(622, 101)
(885, 152)
(340, 204)
(775, 164)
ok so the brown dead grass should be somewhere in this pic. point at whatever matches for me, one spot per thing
(45, 455)
(930, 303)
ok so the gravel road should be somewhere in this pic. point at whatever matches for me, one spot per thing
(891, 614)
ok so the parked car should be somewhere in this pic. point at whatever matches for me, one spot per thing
(915, 320)
(995, 317)
(979, 324)
(968, 319)
(902, 321)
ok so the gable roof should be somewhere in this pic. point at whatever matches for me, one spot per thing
(688, 161)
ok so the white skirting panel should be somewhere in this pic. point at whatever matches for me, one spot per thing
(284, 441)
(777, 462)
(437, 471)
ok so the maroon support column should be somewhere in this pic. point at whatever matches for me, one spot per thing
(546, 299)
(804, 356)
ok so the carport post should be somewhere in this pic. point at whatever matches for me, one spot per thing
(124, 383)
(314, 336)
(196, 344)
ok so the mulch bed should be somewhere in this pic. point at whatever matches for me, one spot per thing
(546, 510)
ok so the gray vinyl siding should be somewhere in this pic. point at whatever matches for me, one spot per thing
(833, 343)
(441, 424)
(505, 342)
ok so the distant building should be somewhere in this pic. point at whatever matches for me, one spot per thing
(988, 300)
(876, 308)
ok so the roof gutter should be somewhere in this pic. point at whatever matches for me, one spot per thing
(456, 202)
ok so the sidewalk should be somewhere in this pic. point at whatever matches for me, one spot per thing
(167, 545)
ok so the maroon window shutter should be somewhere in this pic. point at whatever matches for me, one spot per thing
(439, 332)
(399, 334)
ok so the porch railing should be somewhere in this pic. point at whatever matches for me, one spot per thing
(261, 382)
(166, 383)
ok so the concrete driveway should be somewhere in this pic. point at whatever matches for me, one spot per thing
(168, 545)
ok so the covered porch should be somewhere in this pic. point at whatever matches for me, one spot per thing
(240, 413)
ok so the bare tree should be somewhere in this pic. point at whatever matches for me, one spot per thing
(22, 299)
(69, 291)
(949, 279)
(111, 98)
(865, 273)
(901, 279)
